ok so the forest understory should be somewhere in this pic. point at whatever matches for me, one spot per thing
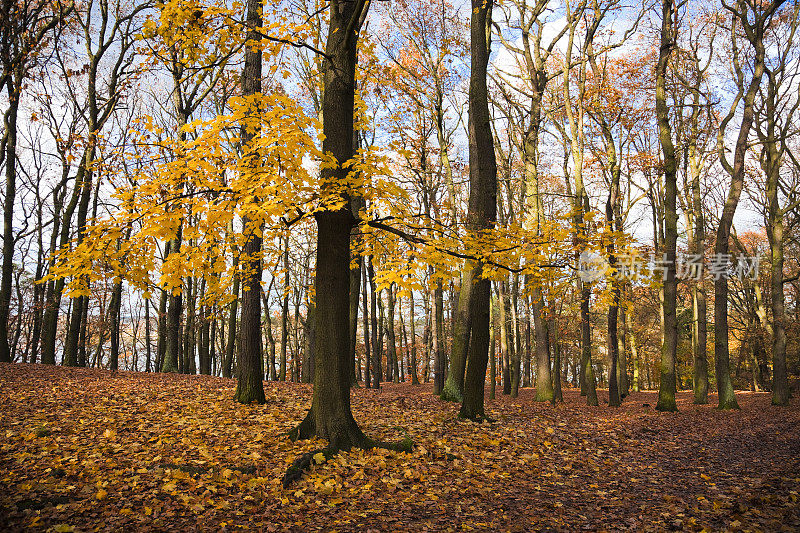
(96, 450)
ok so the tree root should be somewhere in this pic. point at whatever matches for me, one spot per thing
(450, 393)
(479, 418)
(304, 461)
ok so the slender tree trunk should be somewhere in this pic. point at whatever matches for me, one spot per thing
(756, 28)
(8, 212)
(115, 308)
(413, 319)
(356, 205)
(271, 370)
(284, 312)
(555, 343)
(365, 325)
(482, 212)
(775, 234)
(391, 339)
(373, 311)
(230, 346)
(250, 367)
(147, 367)
(667, 386)
(492, 354)
(437, 338)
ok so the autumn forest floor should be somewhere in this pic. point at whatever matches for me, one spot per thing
(91, 449)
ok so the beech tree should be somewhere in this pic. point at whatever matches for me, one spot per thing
(752, 21)
(24, 32)
(667, 385)
(774, 113)
(330, 416)
(482, 212)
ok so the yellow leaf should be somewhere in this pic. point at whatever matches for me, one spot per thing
(101, 494)
(319, 458)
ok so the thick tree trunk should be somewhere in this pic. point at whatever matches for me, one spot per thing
(544, 380)
(172, 351)
(115, 308)
(453, 389)
(330, 416)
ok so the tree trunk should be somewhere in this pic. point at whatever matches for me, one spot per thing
(284, 312)
(250, 384)
(482, 212)
(355, 285)
(544, 380)
(413, 319)
(172, 349)
(437, 338)
(667, 386)
(373, 311)
(555, 344)
(453, 388)
(115, 308)
(330, 416)
(492, 354)
(391, 339)
(365, 318)
(8, 217)
(230, 345)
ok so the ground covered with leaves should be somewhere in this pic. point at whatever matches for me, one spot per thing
(94, 450)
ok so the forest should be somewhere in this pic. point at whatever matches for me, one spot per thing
(401, 265)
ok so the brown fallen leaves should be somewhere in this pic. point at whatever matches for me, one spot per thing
(94, 450)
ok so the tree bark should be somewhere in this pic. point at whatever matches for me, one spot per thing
(330, 416)
(667, 386)
(482, 212)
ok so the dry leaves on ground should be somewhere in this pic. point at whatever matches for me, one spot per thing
(94, 450)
